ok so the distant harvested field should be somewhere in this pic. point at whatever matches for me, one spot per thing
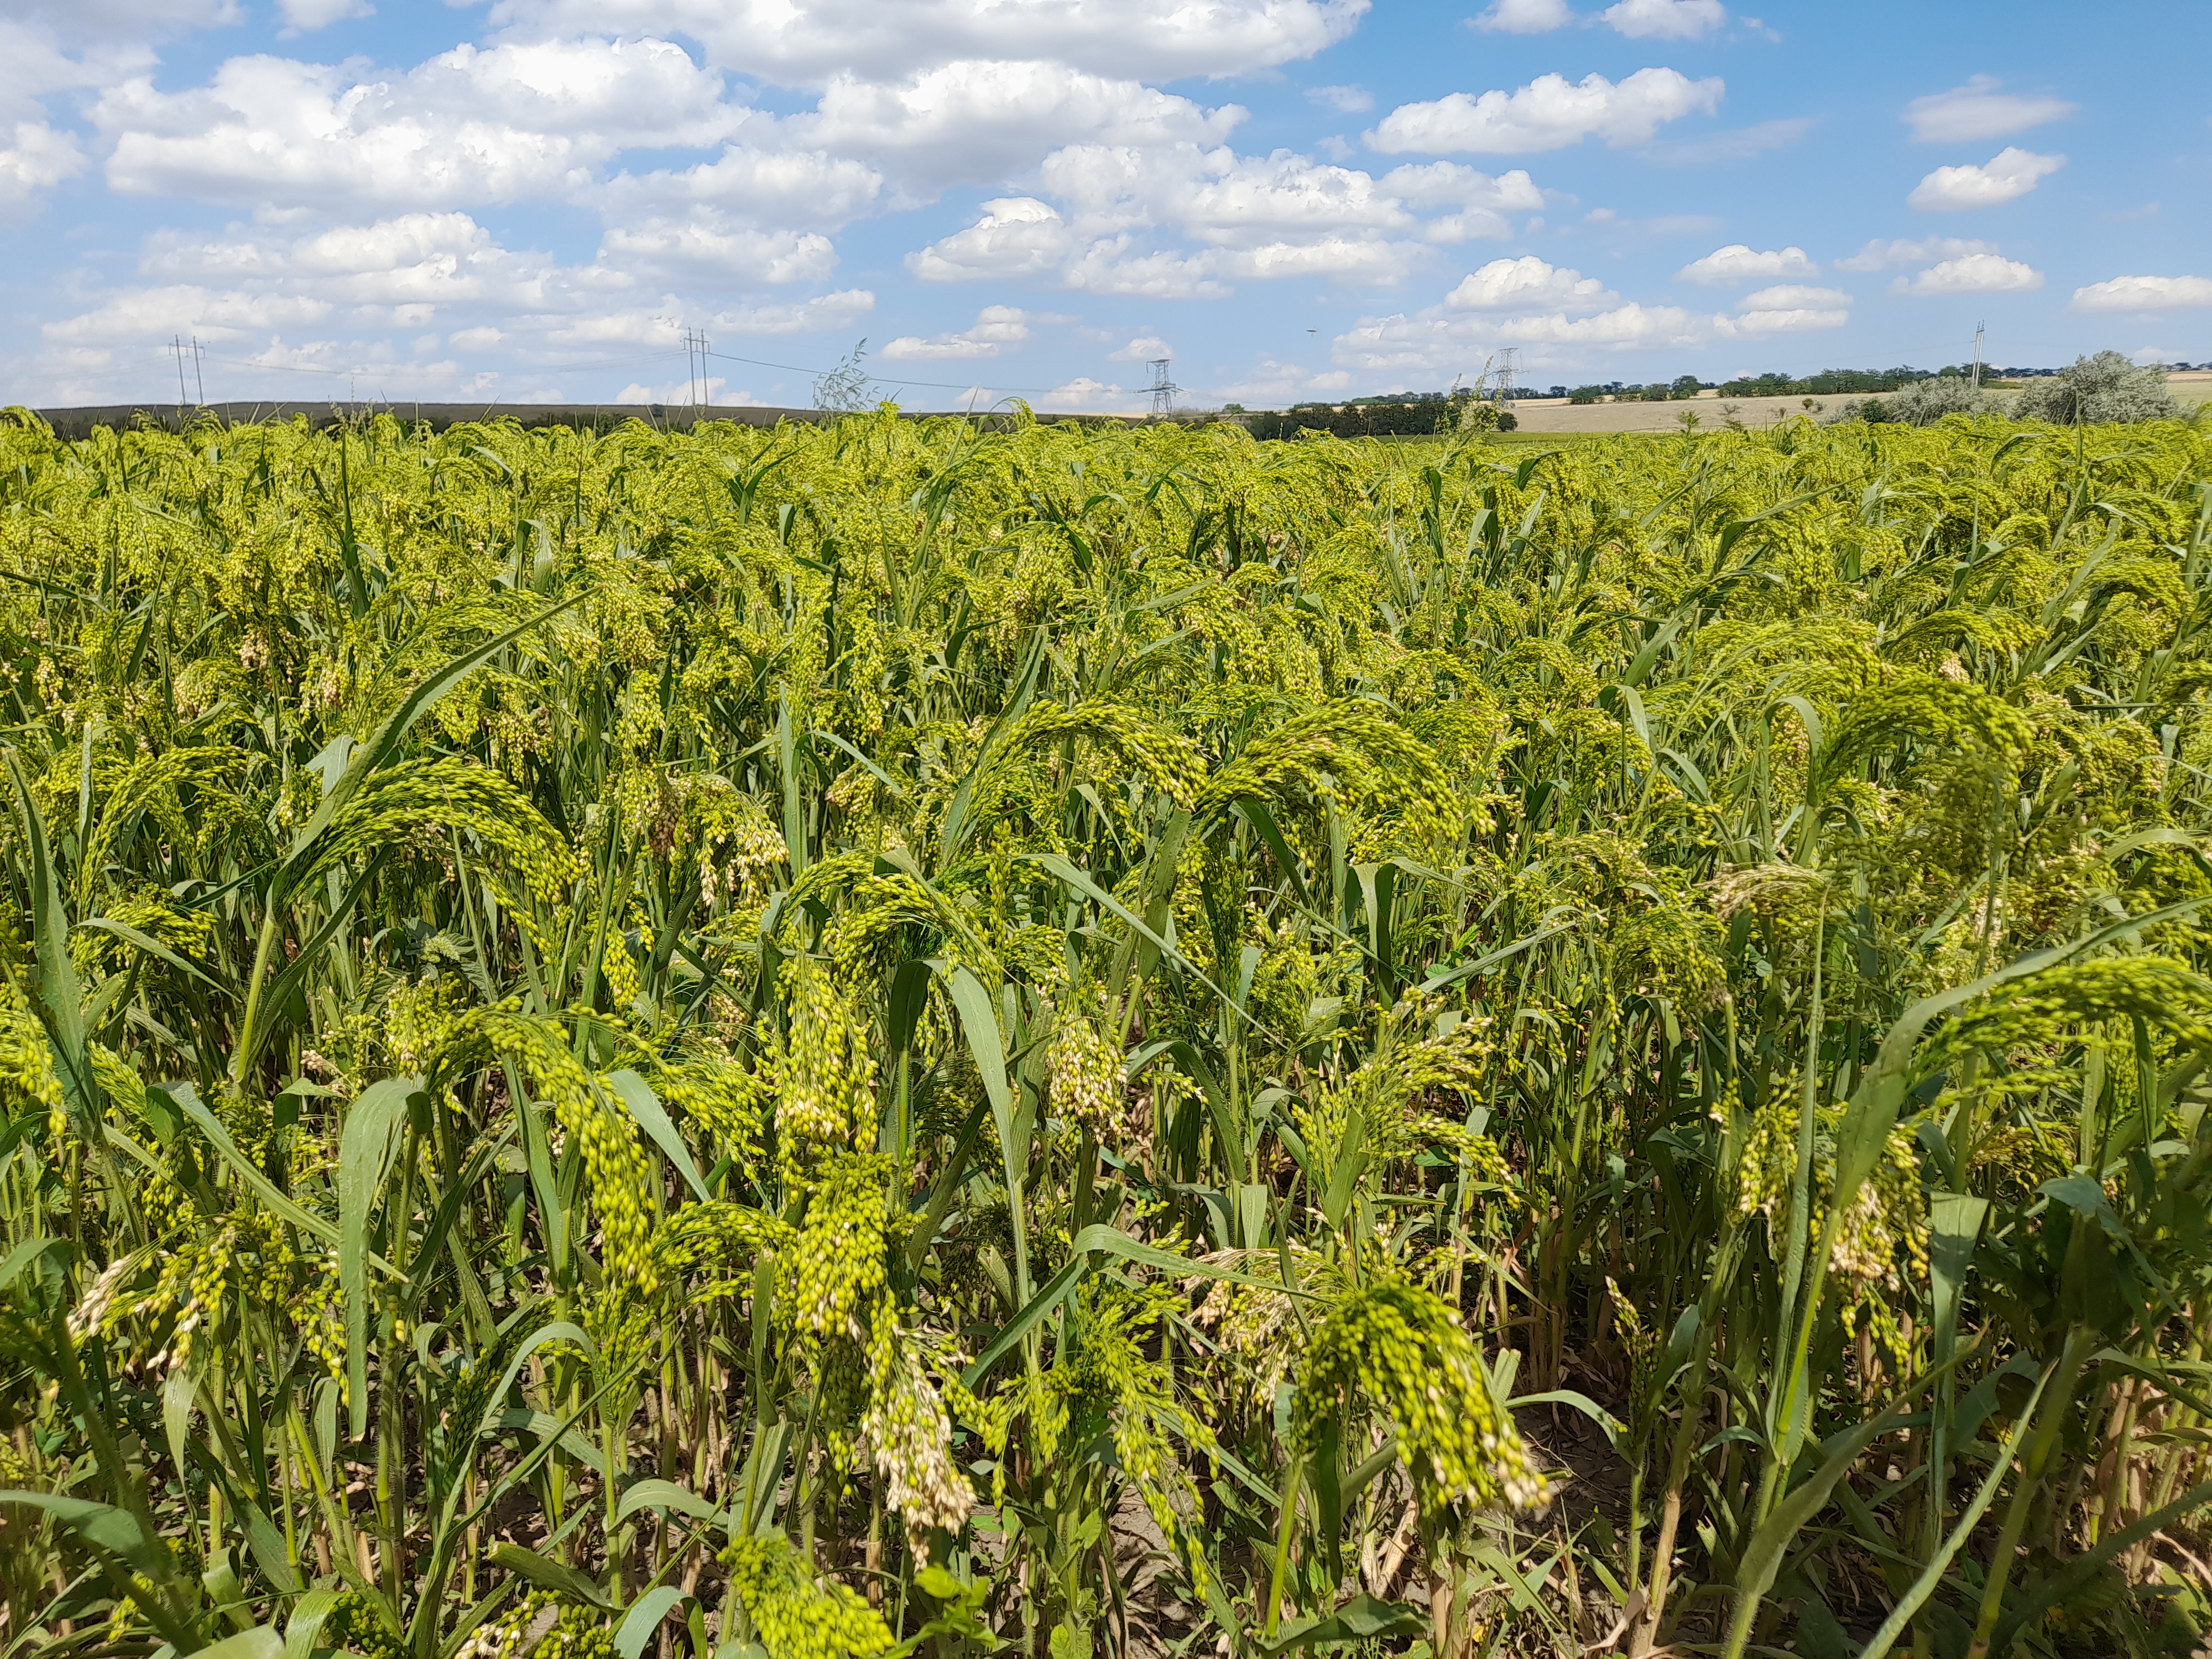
(1555, 415)
(1558, 414)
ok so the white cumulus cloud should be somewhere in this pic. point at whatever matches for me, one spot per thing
(712, 391)
(1217, 197)
(1740, 263)
(1528, 284)
(1479, 202)
(983, 119)
(1017, 236)
(2010, 173)
(1561, 318)
(798, 41)
(1666, 20)
(1525, 16)
(1631, 324)
(1122, 264)
(34, 157)
(321, 14)
(2144, 294)
(995, 328)
(1789, 308)
(1104, 209)
(1568, 322)
(1085, 395)
(1550, 113)
(471, 126)
(1880, 254)
(1145, 348)
(773, 185)
(242, 288)
(708, 247)
(1021, 236)
(1979, 110)
(1792, 296)
(1974, 273)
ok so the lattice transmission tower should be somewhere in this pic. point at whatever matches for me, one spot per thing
(1164, 390)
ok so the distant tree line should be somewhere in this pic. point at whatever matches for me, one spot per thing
(1392, 414)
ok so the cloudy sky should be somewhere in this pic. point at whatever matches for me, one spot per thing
(529, 199)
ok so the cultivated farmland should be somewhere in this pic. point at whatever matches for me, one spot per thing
(825, 1041)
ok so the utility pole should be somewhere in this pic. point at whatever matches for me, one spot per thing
(1163, 389)
(199, 375)
(695, 347)
(177, 350)
(1978, 356)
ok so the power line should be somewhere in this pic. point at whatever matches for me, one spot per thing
(397, 368)
(694, 343)
(934, 385)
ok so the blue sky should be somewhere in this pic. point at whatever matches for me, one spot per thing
(527, 199)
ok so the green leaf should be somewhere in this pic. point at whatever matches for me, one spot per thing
(113, 1532)
(383, 743)
(2085, 1566)
(2085, 1196)
(1101, 1238)
(186, 1100)
(60, 997)
(1350, 1163)
(294, 972)
(556, 1330)
(1762, 1555)
(1444, 976)
(1954, 1221)
(1034, 1310)
(664, 1495)
(980, 1024)
(154, 947)
(934, 1581)
(645, 1106)
(1363, 1618)
(24, 1254)
(303, 1631)
(1081, 882)
(550, 1575)
(1613, 1428)
(644, 1618)
(366, 1146)
(1112, 1241)
(1916, 1595)
(261, 1642)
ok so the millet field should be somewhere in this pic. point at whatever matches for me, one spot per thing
(978, 1038)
